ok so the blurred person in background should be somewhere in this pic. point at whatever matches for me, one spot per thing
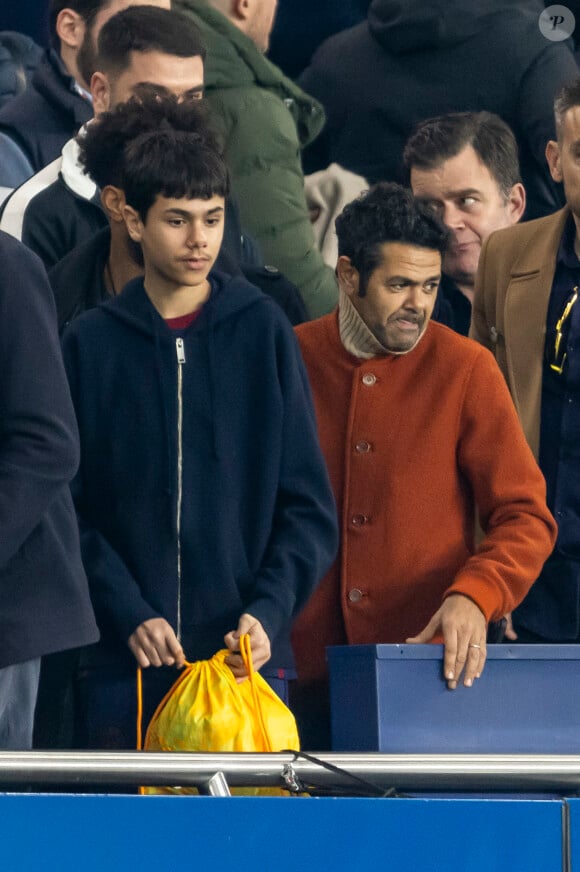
(58, 101)
(464, 166)
(414, 59)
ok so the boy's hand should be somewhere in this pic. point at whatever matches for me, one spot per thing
(154, 643)
(259, 643)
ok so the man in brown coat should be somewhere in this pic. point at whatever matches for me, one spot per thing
(526, 312)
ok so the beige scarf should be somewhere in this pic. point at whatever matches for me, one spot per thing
(356, 337)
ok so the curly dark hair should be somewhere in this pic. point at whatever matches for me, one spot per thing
(386, 213)
(102, 145)
(172, 163)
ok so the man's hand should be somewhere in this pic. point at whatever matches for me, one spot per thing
(259, 643)
(463, 627)
(154, 643)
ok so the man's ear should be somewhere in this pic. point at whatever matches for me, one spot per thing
(241, 10)
(70, 28)
(133, 223)
(516, 203)
(113, 200)
(101, 93)
(553, 158)
(348, 276)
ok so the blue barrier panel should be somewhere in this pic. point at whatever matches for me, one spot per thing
(522, 705)
(574, 833)
(109, 833)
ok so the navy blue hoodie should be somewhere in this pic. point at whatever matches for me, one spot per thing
(249, 524)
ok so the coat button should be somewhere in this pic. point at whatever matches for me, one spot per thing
(355, 595)
(369, 378)
(359, 520)
(363, 446)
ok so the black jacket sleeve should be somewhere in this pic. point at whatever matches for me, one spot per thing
(38, 432)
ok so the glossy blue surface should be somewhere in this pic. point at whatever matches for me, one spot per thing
(108, 833)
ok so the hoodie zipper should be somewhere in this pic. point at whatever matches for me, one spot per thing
(180, 350)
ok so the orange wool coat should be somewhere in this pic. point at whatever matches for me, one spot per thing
(413, 443)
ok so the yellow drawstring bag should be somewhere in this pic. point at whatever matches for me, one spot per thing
(207, 710)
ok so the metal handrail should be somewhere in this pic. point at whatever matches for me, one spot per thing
(406, 772)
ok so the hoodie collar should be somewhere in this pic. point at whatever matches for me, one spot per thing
(228, 297)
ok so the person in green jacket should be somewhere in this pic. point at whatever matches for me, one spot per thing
(265, 120)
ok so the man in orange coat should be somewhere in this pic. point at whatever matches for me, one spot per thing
(419, 433)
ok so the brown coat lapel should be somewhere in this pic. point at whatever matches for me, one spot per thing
(519, 269)
(525, 311)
